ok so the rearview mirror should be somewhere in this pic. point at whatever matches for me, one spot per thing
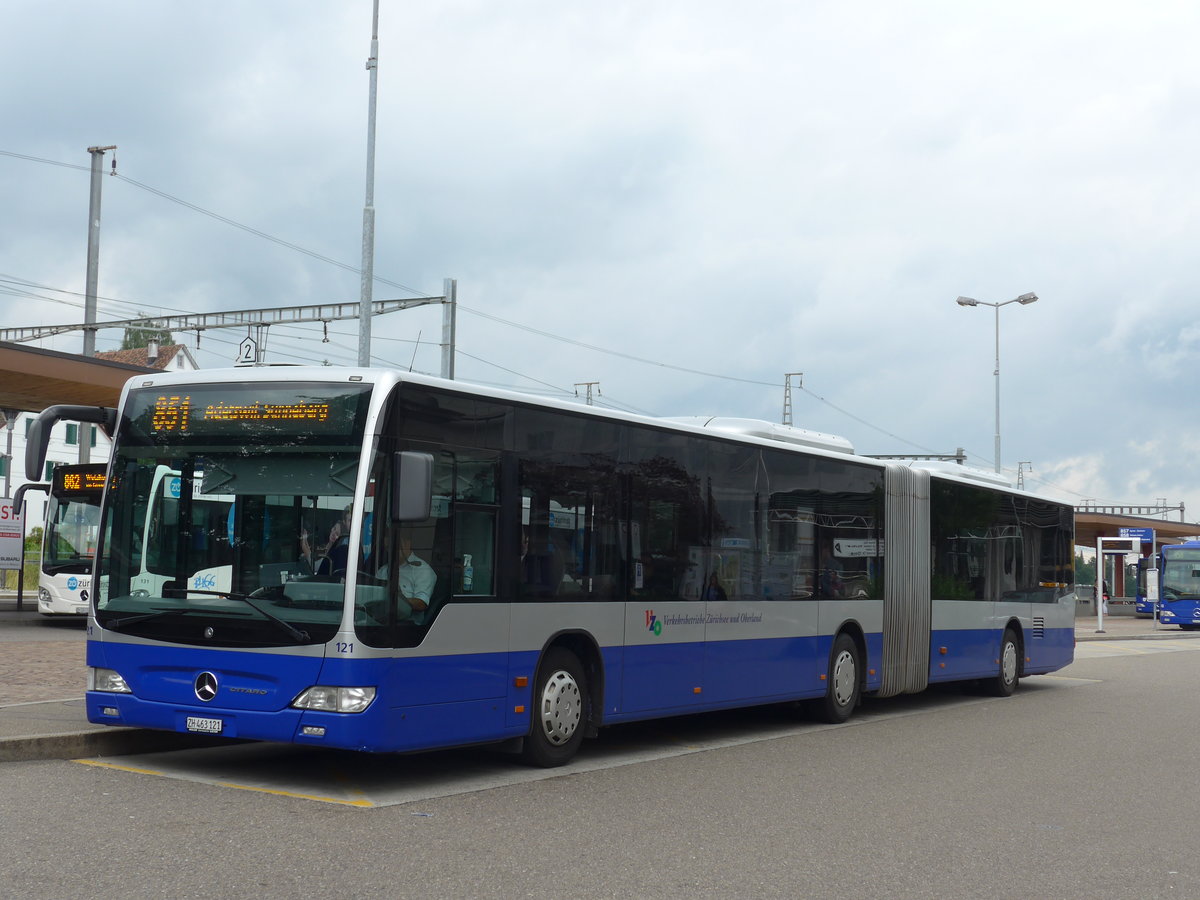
(412, 486)
(38, 438)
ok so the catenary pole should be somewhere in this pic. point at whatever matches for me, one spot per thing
(368, 232)
(93, 278)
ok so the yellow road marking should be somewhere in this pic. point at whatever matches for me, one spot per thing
(361, 804)
(106, 765)
(262, 790)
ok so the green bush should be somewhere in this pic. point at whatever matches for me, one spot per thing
(31, 579)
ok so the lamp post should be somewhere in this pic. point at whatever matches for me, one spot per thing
(1024, 300)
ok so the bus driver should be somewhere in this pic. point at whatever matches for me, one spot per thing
(417, 577)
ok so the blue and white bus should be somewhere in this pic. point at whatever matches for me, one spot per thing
(1179, 585)
(520, 570)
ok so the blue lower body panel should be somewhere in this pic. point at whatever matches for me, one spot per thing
(429, 702)
(1051, 651)
(420, 702)
(960, 655)
(1177, 612)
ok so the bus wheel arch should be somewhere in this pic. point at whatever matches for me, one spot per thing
(844, 677)
(563, 702)
(1010, 663)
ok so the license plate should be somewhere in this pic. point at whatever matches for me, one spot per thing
(204, 726)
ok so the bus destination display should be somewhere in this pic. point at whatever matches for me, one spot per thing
(175, 412)
(69, 480)
(227, 410)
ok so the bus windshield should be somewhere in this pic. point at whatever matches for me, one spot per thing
(72, 519)
(228, 513)
(1181, 575)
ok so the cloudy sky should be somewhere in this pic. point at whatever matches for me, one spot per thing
(682, 201)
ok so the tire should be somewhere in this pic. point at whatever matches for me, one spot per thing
(844, 682)
(559, 709)
(1005, 681)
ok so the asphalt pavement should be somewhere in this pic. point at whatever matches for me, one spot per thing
(43, 673)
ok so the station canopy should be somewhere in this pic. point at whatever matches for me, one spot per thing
(1092, 525)
(32, 379)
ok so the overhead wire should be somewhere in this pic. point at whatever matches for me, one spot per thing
(462, 307)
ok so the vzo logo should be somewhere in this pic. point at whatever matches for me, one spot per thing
(653, 623)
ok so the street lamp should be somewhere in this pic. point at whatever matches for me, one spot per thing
(1024, 300)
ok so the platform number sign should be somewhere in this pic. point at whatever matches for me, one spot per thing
(247, 352)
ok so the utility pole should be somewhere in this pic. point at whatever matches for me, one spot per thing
(787, 395)
(589, 385)
(93, 252)
(93, 277)
(9, 421)
(449, 325)
(1021, 474)
(368, 232)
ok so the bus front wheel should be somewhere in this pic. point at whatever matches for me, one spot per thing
(559, 699)
(843, 682)
(1005, 681)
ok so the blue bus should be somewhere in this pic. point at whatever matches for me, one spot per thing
(500, 568)
(1179, 585)
(1143, 606)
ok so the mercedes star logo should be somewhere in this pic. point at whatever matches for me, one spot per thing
(206, 686)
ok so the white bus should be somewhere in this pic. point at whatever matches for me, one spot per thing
(69, 539)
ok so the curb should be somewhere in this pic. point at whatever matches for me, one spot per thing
(1153, 636)
(107, 742)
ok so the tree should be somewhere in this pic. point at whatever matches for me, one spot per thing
(137, 336)
(1085, 569)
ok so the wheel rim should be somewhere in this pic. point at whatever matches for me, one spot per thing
(562, 707)
(1008, 663)
(844, 678)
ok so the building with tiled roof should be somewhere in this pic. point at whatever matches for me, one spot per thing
(171, 358)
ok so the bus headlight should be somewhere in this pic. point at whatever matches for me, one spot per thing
(43, 595)
(107, 680)
(335, 699)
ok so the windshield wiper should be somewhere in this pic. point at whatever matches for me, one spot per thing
(291, 629)
(118, 624)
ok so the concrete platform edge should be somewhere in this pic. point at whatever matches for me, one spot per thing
(107, 741)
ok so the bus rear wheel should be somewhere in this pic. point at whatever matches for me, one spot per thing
(843, 684)
(1005, 681)
(559, 705)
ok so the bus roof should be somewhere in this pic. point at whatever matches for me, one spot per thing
(750, 431)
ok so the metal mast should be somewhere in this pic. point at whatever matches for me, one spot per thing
(368, 232)
(787, 395)
(93, 252)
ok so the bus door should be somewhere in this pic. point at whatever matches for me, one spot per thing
(664, 665)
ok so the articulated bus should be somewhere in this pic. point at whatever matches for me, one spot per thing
(69, 538)
(502, 568)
